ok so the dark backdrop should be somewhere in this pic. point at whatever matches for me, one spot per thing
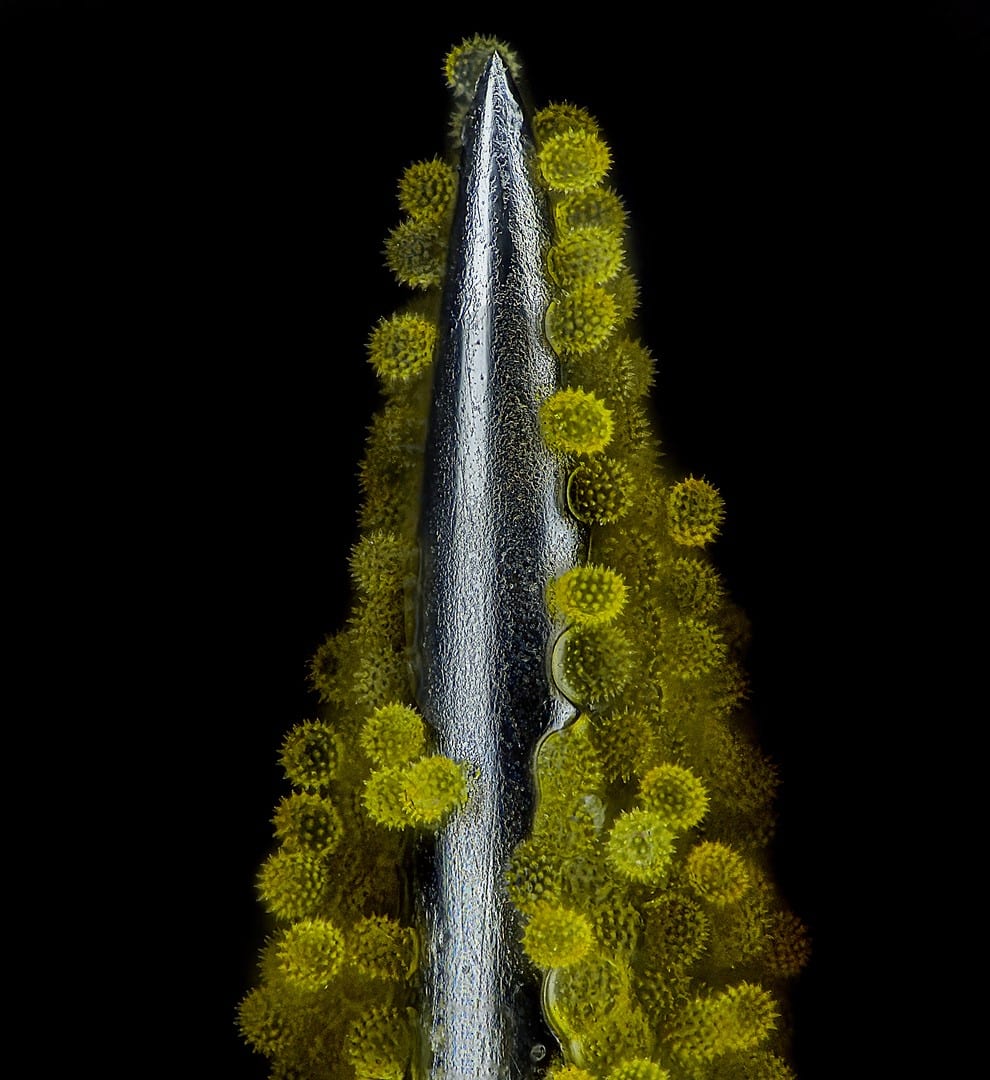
(200, 198)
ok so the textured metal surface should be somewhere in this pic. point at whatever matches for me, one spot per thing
(493, 533)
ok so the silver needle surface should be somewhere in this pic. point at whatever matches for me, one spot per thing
(493, 532)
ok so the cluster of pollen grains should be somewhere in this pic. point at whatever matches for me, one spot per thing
(420, 794)
(416, 249)
(643, 885)
(343, 956)
(338, 988)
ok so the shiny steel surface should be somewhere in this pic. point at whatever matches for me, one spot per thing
(492, 533)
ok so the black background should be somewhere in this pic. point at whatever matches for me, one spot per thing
(198, 200)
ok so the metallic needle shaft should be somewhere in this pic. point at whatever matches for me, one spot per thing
(492, 533)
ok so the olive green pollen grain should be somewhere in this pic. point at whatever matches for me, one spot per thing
(382, 948)
(694, 586)
(581, 319)
(641, 846)
(427, 189)
(561, 116)
(588, 594)
(380, 1043)
(416, 252)
(575, 421)
(619, 370)
(593, 664)
(465, 63)
(695, 512)
(600, 490)
(401, 347)
(588, 256)
(311, 953)
(310, 755)
(379, 563)
(573, 160)
(598, 207)
(693, 647)
(676, 794)
(639, 1069)
(434, 787)
(623, 288)
(308, 822)
(556, 937)
(393, 734)
(385, 798)
(294, 884)
(717, 873)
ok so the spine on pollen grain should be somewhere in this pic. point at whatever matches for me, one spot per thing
(527, 829)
